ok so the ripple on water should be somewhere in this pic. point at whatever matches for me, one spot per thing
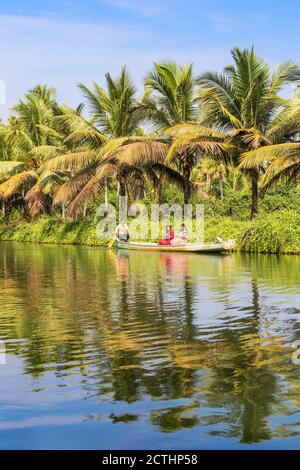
(111, 344)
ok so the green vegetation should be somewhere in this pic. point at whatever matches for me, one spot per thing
(275, 230)
(276, 233)
(47, 230)
(228, 140)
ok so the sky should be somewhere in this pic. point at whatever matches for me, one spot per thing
(63, 42)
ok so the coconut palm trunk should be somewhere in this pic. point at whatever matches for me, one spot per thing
(158, 193)
(221, 172)
(122, 187)
(187, 185)
(207, 182)
(221, 186)
(158, 188)
(105, 192)
(254, 196)
(63, 211)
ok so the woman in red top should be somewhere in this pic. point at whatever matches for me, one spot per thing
(169, 235)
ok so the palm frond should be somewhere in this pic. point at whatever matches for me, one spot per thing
(194, 129)
(50, 181)
(70, 161)
(250, 138)
(114, 109)
(288, 170)
(218, 101)
(110, 148)
(43, 153)
(37, 201)
(264, 155)
(186, 146)
(174, 98)
(9, 168)
(17, 183)
(50, 131)
(141, 152)
(287, 72)
(90, 190)
(69, 190)
(91, 137)
(286, 124)
(171, 175)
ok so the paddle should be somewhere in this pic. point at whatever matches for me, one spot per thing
(112, 243)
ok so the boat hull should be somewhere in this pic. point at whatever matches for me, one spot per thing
(189, 248)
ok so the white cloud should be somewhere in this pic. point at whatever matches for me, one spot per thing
(221, 22)
(150, 8)
(234, 21)
(62, 53)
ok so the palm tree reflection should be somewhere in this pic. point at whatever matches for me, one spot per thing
(193, 334)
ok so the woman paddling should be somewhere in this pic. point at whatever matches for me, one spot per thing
(122, 232)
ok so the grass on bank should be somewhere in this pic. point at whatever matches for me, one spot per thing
(277, 232)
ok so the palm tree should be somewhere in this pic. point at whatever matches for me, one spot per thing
(133, 163)
(8, 169)
(128, 159)
(28, 140)
(170, 95)
(213, 169)
(192, 142)
(113, 116)
(280, 160)
(114, 146)
(171, 101)
(114, 109)
(244, 101)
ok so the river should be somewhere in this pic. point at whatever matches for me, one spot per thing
(107, 350)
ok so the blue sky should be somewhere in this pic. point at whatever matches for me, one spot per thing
(64, 42)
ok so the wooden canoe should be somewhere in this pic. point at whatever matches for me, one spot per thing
(190, 247)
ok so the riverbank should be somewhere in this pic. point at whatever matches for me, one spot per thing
(277, 232)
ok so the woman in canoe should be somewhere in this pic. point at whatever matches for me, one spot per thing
(181, 237)
(122, 232)
(168, 237)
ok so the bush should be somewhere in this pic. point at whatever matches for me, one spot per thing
(235, 204)
(224, 227)
(283, 197)
(52, 230)
(278, 232)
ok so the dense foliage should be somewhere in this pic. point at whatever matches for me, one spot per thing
(228, 140)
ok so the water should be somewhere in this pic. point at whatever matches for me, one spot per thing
(147, 350)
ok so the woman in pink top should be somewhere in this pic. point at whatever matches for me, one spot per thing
(169, 235)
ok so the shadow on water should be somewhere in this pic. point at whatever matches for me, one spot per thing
(173, 342)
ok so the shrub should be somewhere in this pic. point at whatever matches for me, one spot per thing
(277, 232)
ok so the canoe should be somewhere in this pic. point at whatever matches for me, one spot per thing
(190, 247)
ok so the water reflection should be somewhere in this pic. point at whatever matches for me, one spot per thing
(186, 341)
